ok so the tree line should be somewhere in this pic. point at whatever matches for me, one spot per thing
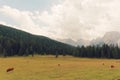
(104, 51)
(16, 42)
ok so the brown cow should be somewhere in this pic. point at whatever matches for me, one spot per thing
(58, 64)
(103, 64)
(112, 66)
(9, 69)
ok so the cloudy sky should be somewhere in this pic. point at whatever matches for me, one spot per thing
(61, 19)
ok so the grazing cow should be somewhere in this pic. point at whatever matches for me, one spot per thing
(112, 66)
(9, 69)
(58, 64)
(103, 64)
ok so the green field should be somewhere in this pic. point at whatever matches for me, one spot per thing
(46, 68)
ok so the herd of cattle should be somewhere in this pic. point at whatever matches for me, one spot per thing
(12, 69)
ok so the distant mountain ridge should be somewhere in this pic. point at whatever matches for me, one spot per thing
(112, 37)
(79, 42)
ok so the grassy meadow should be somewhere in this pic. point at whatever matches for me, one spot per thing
(62, 68)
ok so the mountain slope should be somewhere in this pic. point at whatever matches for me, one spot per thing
(17, 42)
(112, 37)
(79, 42)
(68, 41)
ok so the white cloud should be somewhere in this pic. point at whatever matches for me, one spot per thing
(21, 17)
(74, 19)
(86, 19)
(2, 22)
(23, 20)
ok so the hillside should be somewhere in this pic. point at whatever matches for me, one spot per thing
(17, 42)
